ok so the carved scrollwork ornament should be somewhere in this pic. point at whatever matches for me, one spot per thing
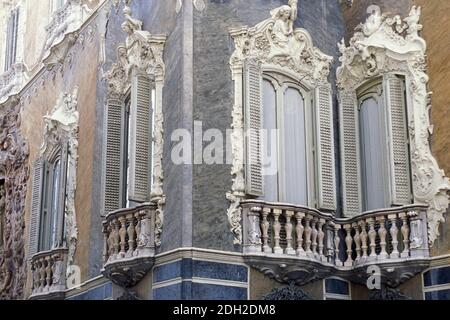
(14, 167)
(390, 45)
(291, 292)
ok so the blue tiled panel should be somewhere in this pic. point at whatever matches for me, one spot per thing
(189, 268)
(437, 277)
(99, 293)
(214, 270)
(172, 292)
(167, 272)
(202, 291)
(336, 286)
(438, 295)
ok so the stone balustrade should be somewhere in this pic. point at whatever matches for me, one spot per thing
(382, 236)
(129, 243)
(65, 20)
(292, 236)
(49, 274)
(12, 81)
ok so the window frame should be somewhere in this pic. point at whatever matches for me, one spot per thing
(374, 89)
(45, 234)
(12, 38)
(281, 82)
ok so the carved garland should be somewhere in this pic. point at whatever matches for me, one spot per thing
(61, 126)
(392, 45)
(277, 46)
(14, 167)
(143, 52)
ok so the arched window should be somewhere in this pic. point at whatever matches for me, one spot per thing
(286, 143)
(51, 231)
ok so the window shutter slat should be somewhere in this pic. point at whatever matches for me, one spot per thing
(325, 149)
(140, 148)
(113, 155)
(396, 107)
(351, 172)
(253, 126)
(36, 204)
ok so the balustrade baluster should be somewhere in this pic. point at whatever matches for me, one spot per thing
(372, 237)
(137, 216)
(116, 237)
(364, 237)
(314, 234)
(337, 243)
(348, 243)
(277, 228)
(48, 273)
(43, 274)
(382, 233)
(265, 225)
(289, 228)
(405, 234)
(321, 237)
(394, 235)
(123, 234)
(308, 234)
(357, 240)
(131, 234)
(299, 230)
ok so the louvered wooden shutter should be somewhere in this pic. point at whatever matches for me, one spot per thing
(36, 204)
(253, 126)
(399, 151)
(351, 172)
(140, 148)
(60, 214)
(113, 156)
(325, 149)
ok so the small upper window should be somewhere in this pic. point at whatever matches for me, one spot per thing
(12, 32)
(57, 4)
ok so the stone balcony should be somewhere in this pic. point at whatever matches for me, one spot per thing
(62, 30)
(297, 244)
(129, 244)
(49, 274)
(12, 81)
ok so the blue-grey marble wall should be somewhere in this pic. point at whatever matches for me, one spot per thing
(214, 91)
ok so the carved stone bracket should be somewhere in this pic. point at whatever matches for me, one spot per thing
(12, 81)
(61, 126)
(384, 45)
(14, 167)
(276, 45)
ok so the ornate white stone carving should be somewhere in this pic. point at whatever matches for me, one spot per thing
(62, 31)
(384, 45)
(61, 126)
(143, 52)
(277, 46)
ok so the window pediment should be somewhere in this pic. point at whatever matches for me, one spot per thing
(275, 42)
